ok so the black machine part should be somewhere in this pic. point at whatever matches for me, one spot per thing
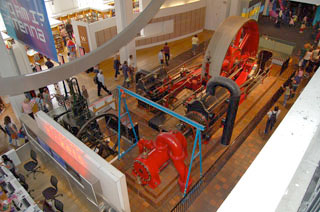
(147, 84)
(91, 133)
(235, 93)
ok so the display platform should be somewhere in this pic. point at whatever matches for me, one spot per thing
(167, 194)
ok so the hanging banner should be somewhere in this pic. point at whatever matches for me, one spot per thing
(253, 10)
(27, 21)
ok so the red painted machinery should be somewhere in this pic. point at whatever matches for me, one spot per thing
(231, 54)
(161, 87)
(155, 155)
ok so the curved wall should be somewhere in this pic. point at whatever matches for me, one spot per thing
(170, 23)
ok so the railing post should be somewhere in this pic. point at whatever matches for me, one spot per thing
(132, 125)
(119, 122)
(189, 171)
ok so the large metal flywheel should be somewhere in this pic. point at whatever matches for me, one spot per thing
(235, 40)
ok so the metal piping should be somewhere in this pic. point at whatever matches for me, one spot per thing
(177, 146)
(168, 145)
(234, 99)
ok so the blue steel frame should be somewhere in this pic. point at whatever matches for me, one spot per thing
(198, 126)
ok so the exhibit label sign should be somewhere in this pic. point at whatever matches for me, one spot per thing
(27, 21)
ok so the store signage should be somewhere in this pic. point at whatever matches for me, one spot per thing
(27, 21)
(84, 38)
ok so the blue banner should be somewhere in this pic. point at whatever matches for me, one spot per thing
(27, 21)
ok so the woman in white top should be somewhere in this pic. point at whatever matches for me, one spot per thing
(307, 58)
(195, 41)
(27, 107)
(160, 57)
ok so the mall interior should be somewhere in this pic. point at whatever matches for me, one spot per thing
(160, 105)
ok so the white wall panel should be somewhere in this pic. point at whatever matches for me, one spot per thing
(316, 2)
(216, 12)
(86, 162)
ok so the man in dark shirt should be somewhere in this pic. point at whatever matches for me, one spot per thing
(69, 29)
(116, 66)
(125, 70)
(49, 63)
(166, 50)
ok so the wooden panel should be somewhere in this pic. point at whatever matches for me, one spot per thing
(138, 42)
(189, 22)
(148, 41)
(101, 37)
(167, 36)
(202, 19)
(178, 17)
(198, 16)
(84, 38)
(173, 35)
(193, 20)
(177, 29)
(107, 34)
(114, 31)
(154, 39)
(161, 38)
(143, 42)
(97, 39)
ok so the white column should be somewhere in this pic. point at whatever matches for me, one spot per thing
(216, 12)
(22, 59)
(124, 16)
(235, 8)
(9, 69)
(143, 4)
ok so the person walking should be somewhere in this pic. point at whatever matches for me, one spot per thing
(302, 27)
(125, 71)
(71, 46)
(11, 129)
(101, 83)
(49, 63)
(40, 103)
(47, 100)
(166, 50)
(195, 43)
(313, 61)
(69, 29)
(287, 93)
(27, 107)
(295, 81)
(291, 22)
(307, 58)
(272, 118)
(85, 92)
(160, 57)
(132, 67)
(116, 66)
(64, 35)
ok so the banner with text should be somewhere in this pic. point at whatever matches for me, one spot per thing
(27, 21)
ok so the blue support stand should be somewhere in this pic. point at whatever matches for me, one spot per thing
(122, 91)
